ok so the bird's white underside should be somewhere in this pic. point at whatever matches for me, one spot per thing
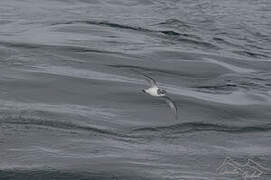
(153, 91)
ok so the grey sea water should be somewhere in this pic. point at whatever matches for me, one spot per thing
(71, 105)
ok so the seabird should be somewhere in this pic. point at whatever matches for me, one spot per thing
(154, 90)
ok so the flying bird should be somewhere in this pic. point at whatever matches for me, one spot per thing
(154, 90)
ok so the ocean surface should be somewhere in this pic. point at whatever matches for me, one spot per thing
(71, 100)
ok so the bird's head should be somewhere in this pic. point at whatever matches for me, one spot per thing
(161, 92)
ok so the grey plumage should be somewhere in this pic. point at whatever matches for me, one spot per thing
(150, 80)
(172, 105)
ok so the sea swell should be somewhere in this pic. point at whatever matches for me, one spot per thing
(72, 75)
(197, 127)
(167, 131)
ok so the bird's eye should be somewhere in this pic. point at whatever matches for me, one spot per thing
(161, 91)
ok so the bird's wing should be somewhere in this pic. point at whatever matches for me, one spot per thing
(172, 105)
(150, 80)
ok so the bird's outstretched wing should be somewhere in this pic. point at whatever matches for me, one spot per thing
(172, 105)
(150, 80)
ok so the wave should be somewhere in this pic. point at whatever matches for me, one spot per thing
(175, 22)
(45, 174)
(181, 128)
(135, 134)
(191, 127)
(32, 121)
(79, 49)
(164, 33)
(19, 45)
(221, 40)
(167, 32)
(251, 54)
(118, 26)
(216, 87)
(220, 88)
(102, 23)
(199, 43)
(144, 69)
(83, 74)
(171, 33)
(156, 70)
